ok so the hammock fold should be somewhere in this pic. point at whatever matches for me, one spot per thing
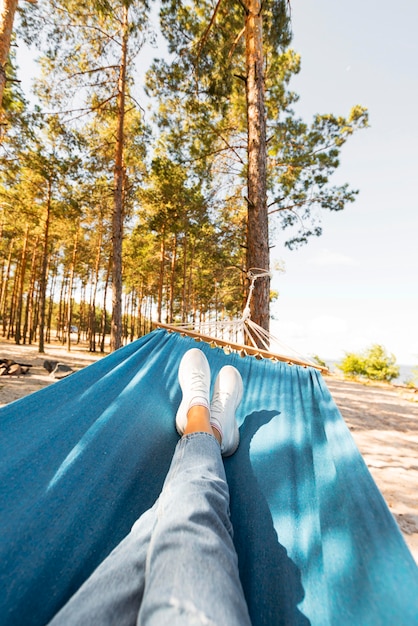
(81, 459)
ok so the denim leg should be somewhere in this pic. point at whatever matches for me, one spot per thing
(191, 567)
(112, 595)
(180, 551)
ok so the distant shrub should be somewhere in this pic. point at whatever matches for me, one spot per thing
(352, 365)
(411, 383)
(373, 364)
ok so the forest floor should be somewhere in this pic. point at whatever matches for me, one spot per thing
(382, 418)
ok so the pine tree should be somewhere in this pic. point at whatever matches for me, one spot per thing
(226, 109)
(92, 47)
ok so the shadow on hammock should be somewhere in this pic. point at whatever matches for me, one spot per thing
(271, 580)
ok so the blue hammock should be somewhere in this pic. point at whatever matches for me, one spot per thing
(83, 458)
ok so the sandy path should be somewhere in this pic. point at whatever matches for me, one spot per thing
(383, 421)
(13, 387)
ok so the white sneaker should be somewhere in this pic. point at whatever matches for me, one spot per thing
(227, 395)
(194, 379)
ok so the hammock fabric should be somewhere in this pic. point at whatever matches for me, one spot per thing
(83, 458)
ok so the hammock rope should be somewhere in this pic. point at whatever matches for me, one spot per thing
(243, 335)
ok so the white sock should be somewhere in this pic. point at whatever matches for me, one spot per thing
(199, 401)
(215, 424)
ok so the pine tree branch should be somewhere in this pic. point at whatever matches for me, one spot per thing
(234, 45)
(244, 6)
(135, 101)
(84, 110)
(85, 26)
(205, 36)
(291, 207)
(229, 147)
(96, 69)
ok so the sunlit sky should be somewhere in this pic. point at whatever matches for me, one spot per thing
(356, 284)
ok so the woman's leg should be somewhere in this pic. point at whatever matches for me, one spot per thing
(192, 567)
(182, 547)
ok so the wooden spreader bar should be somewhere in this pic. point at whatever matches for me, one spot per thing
(258, 353)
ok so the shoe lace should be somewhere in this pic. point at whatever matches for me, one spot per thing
(198, 383)
(217, 404)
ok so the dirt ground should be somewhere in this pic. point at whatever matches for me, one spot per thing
(15, 387)
(383, 421)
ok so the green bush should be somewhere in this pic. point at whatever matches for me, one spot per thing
(373, 364)
(352, 365)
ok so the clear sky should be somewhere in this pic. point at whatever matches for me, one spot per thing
(357, 284)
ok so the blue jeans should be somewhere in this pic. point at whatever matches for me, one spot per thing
(178, 564)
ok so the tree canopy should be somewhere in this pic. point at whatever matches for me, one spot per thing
(242, 133)
(167, 214)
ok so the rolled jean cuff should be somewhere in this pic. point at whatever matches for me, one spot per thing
(199, 434)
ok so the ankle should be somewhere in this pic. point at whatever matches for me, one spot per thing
(217, 434)
(198, 420)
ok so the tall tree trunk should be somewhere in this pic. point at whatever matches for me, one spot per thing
(132, 320)
(91, 331)
(257, 220)
(13, 302)
(70, 291)
(51, 302)
(125, 318)
(5, 287)
(190, 291)
(7, 13)
(29, 299)
(61, 311)
(82, 321)
(184, 286)
(118, 212)
(104, 315)
(140, 307)
(44, 270)
(138, 314)
(35, 315)
(64, 305)
(2, 273)
(161, 276)
(172, 279)
(23, 259)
